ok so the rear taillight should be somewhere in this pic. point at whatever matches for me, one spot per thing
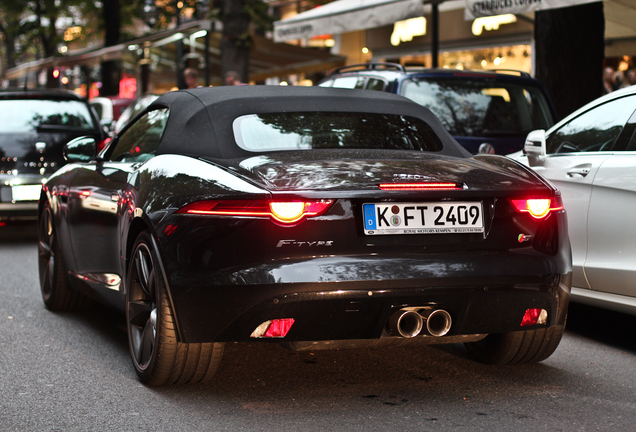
(286, 212)
(534, 316)
(538, 208)
(277, 328)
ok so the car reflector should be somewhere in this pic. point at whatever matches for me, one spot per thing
(420, 186)
(534, 316)
(538, 208)
(277, 328)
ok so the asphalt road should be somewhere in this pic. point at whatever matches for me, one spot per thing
(72, 372)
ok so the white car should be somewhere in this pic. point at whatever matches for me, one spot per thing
(591, 157)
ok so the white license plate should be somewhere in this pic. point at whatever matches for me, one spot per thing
(26, 192)
(423, 218)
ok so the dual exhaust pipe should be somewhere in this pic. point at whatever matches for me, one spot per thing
(413, 321)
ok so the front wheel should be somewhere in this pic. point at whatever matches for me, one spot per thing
(157, 355)
(529, 346)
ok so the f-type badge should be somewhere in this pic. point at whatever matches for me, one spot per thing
(295, 243)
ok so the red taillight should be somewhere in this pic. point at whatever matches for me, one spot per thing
(277, 328)
(538, 208)
(286, 212)
(420, 186)
(534, 316)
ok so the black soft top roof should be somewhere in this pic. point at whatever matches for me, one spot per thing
(200, 122)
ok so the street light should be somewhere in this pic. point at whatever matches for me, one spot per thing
(150, 13)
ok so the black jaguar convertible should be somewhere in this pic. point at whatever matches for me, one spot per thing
(311, 217)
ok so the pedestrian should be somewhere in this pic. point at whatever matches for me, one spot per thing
(630, 79)
(232, 78)
(190, 75)
(608, 80)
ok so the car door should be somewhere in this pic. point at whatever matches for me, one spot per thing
(575, 152)
(610, 264)
(97, 195)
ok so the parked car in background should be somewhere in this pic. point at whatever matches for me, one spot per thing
(34, 127)
(109, 109)
(132, 110)
(244, 213)
(591, 157)
(485, 111)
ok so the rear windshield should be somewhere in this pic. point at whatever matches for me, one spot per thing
(480, 108)
(333, 130)
(29, 115)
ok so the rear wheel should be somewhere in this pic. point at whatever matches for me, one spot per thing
(54, 284)
(521, 347)
(157, 355)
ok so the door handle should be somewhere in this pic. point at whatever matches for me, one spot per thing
(578, 171)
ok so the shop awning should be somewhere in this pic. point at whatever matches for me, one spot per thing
(344, 16)
(483, 8)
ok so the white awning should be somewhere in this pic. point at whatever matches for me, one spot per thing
(344, 16)
(483, 8)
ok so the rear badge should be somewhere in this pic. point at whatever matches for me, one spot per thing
(295, 243)
(524, 238)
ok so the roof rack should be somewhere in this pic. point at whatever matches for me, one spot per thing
(511, 71)
(370, 66)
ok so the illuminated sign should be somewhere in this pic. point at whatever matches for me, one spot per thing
(404, 31)
(492, 23)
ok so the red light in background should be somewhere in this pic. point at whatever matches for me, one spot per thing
(56, 73)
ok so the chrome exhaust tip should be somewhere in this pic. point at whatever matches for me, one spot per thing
(438, 321)
(406, 323)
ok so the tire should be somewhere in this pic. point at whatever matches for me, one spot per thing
(157, 355)
(54, 284)
(530, 346)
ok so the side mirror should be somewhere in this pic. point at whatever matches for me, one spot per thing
(535, 147)
(81, 149)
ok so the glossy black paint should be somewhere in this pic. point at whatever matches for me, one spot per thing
(226, 275)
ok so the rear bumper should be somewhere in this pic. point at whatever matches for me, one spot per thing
(361, 310)
(24, 211)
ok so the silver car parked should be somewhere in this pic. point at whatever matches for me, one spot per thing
(591, 157)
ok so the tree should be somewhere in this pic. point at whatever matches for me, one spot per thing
(238, 16)
(569, 53)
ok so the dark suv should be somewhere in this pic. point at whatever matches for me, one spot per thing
(486, 111)
(34, 127)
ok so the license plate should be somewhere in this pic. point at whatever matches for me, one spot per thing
(423, 218)
(26, 192)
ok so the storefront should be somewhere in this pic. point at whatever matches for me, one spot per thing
(402, 31)
(150, 64)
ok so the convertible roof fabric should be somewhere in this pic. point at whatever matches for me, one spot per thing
(200, 122)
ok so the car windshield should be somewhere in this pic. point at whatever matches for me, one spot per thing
(480, 108)
(29, 115)
(333, 130)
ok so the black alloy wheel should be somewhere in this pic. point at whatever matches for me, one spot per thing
(142, 307)
(56, 291)
(157, 355)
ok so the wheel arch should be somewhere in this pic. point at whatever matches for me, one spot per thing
(137, 226)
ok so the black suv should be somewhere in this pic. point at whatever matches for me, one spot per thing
(34, 127)
(486, 111)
